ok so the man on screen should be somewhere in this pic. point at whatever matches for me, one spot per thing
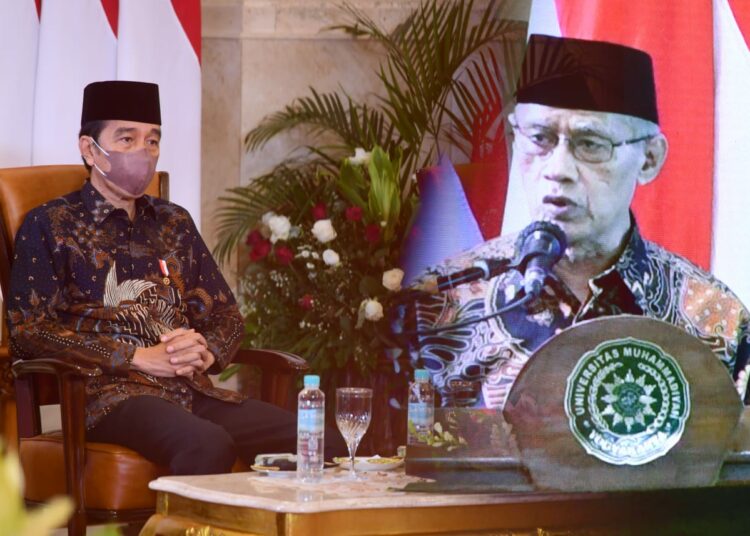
(586, 134)
(124, 279)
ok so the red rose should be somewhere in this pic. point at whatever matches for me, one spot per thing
(253, 237)
(260, 250)
(306, 302)
(319, 212)
(283, 254)
(372, 233)
(354, 213)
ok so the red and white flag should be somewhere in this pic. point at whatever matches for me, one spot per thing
(159, 41)
(702, 69)
(19, 34)
(77, 45)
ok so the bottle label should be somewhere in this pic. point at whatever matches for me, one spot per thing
(421, 414)
(310, 420)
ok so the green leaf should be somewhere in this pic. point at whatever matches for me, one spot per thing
(230, 371)
(352, 184)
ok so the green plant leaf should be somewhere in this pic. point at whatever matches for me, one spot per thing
(230, 371)
(352, 184)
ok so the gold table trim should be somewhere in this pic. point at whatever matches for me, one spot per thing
(177, 515)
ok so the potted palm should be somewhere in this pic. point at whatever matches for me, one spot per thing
(323, 232)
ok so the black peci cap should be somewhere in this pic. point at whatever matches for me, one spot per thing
(123, 100)
(588, 75)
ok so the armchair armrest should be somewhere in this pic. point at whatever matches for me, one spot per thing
(58, 367)
(271, 360)
(279, 374)
(71, 376)
(70, 380)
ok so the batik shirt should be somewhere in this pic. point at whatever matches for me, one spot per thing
(645, 280)
(88, 282)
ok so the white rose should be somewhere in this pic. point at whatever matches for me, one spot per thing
(279, 226)
(324, 231)
(373, 310)
(267, 217)
(392, 279)
(331, 258)
(264, 220)
(361, 157)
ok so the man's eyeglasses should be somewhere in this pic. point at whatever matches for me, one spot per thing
(585, 147)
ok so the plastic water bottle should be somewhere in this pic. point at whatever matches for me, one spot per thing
(310, 417)
(421, 408)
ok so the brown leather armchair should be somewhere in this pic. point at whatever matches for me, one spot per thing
(107, 482)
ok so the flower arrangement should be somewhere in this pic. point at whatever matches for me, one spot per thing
(323, 266)
(324, 232)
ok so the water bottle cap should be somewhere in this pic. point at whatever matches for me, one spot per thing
(422, 375)
(312, 381)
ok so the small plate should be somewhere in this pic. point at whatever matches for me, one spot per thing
(285, 468)
(371, 463)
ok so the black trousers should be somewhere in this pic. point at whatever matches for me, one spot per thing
(209, 439)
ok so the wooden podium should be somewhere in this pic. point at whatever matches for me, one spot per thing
(613, 404)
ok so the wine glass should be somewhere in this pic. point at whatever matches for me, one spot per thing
(353, 413)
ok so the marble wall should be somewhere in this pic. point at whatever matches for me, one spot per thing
(258, 55)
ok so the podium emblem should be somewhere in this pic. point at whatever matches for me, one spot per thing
(627, 401)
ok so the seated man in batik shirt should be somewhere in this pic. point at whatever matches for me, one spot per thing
(124, 280)
(586, 135)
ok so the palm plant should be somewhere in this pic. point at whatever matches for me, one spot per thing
(442, 84)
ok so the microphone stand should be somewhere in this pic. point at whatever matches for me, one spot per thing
(411, 296)
(523, 300)
(406, 339)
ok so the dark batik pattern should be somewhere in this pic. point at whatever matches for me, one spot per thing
(86, 282)
(646, 280)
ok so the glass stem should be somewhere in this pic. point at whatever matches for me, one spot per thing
(352, 450)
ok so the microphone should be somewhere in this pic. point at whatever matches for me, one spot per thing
(481, 269)
(540, 245)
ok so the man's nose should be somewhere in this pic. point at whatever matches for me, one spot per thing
(560, 164)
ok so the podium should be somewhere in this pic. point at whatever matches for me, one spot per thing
(621, 403)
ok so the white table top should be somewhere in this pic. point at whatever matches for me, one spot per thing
(283, 493)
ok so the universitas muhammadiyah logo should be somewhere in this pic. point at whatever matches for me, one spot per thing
(627, 402)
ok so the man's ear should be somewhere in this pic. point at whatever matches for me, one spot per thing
(656, 154)
(84, 147)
